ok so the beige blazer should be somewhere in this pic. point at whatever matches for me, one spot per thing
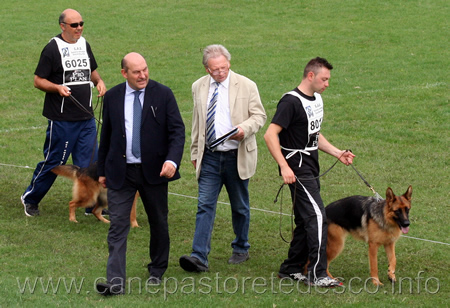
(246, 111)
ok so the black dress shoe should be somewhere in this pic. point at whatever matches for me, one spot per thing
(154, 281)
(107, 289)
(192, 264)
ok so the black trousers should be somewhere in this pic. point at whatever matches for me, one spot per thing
(154, 198)
(310, 233)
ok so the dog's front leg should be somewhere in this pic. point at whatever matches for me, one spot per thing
(133, 221)
(373, 252)
(390, 253)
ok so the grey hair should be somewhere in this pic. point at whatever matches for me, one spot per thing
(214, 51)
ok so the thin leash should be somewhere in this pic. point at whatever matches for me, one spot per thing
(79, 105)
(377, 196)
(280, 191)
(293, 201)
(99, 122)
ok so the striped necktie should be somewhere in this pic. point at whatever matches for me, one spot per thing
(210, 116)
(136, 136)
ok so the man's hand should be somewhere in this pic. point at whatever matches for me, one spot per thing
(239, 135)
(98, 81)
(102, 180)
(101, 88)
(347, 157)
(287, 174)
(64, 91)
(168, 170)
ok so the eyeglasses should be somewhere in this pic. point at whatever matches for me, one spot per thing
(75, 24)
(218, 71)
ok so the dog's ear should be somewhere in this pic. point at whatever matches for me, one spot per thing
(389, 195)
(408, 193)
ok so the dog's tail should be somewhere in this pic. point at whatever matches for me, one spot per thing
(68, 171)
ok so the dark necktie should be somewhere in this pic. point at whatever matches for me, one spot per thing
(136, 137)
(210, 117)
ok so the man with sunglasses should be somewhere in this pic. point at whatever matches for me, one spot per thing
(66, 72)
(233, 101)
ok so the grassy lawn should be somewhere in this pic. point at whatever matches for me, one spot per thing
(388, 101)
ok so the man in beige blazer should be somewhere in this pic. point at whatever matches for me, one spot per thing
(224, 102)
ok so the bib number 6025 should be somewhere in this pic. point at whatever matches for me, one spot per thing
(76, 63)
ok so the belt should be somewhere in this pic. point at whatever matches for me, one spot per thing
(234, 151)
(134, 165)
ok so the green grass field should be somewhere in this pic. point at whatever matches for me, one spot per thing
(388, 101)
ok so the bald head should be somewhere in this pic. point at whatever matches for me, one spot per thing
(135, 70)
(131, 57)
(69, 13)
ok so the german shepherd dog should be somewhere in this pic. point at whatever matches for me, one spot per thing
(377, 222)
(88, 192)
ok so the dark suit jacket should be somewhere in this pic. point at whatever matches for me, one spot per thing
(162, 135)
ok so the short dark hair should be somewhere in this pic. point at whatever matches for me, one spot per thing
(62, 17)
(314, 65)
(123, 64)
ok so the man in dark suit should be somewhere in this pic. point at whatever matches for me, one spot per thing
(140, 158)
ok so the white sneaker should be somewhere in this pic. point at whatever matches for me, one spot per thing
(326, 282)
(293, 276)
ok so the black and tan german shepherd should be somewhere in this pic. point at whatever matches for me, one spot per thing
(377, 222)
(88, 192)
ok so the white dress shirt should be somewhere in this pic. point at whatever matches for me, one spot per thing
(128, 112)
(129, 101)
(222, 120)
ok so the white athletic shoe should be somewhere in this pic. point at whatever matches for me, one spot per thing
(326, 282)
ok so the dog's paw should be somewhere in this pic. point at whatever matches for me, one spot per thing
(376, 281)
(391, 276)
(134, 225)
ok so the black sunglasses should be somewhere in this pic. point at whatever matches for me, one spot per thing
(75, 24)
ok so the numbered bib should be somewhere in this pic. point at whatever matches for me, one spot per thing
(314, 113)
(75, 62)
